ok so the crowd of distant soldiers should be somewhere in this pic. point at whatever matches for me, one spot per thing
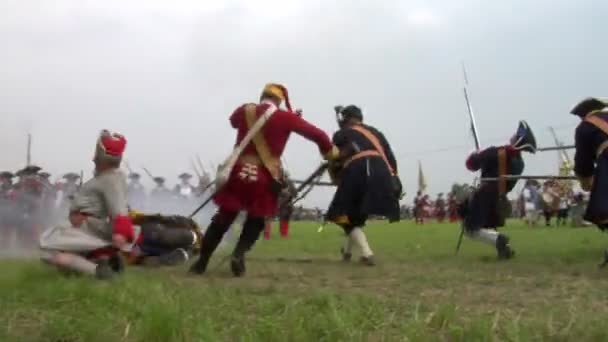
(31, 200)
(549, 202)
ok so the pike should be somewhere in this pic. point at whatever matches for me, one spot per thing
(470, 109)
(198, 174)
(28, 157)
(128, 167)
(200, 165)
(475, 138)
(148, 173)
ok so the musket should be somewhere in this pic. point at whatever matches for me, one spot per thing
(556, 148)
(319, 183)
(309, 182)
(200, 207)
(515, 177)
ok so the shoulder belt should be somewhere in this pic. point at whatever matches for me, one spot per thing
(502, 170)
(601, 125)
(379, 150)
(270, 162)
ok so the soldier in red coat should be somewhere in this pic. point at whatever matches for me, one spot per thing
(257, 178)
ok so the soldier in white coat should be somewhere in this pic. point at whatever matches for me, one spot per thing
(99, 223)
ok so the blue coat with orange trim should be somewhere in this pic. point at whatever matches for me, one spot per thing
(592, 169)
(486, 208)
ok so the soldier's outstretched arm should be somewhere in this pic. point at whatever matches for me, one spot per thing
(314, 134)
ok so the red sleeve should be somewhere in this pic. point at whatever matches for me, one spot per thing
(123, 225)
(236, 117)
(310, 132)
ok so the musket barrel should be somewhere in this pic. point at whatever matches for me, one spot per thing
(314, 183)
(512, 177)
(556, 148)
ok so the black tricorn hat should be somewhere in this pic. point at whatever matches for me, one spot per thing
(7, 175)
(185, 175)
(524, 138)
(351, 111)
(159, 180)
(71, 176)
(588, 105)
(134, 175)
(28, 170)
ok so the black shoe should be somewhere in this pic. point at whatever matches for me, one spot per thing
(503, 248)
(199, 267)
(237, 265)
(104, 271)
(605, 262)
(368, 261)
(345, 256)
(175, 257)
(117, 262)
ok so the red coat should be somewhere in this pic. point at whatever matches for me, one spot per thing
(249, 186)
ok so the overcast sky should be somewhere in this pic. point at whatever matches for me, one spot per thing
(168, 74)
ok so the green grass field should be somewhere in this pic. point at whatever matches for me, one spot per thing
(553, 290)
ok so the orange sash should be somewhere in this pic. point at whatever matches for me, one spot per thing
(377, 146)
(270, 162)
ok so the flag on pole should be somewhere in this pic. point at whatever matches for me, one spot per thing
(421, 179)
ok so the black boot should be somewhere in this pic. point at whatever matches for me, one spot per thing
(212, 238)
(252, 228)
(503, 248)
(117, 262)
(237, 264)
(104, 271)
